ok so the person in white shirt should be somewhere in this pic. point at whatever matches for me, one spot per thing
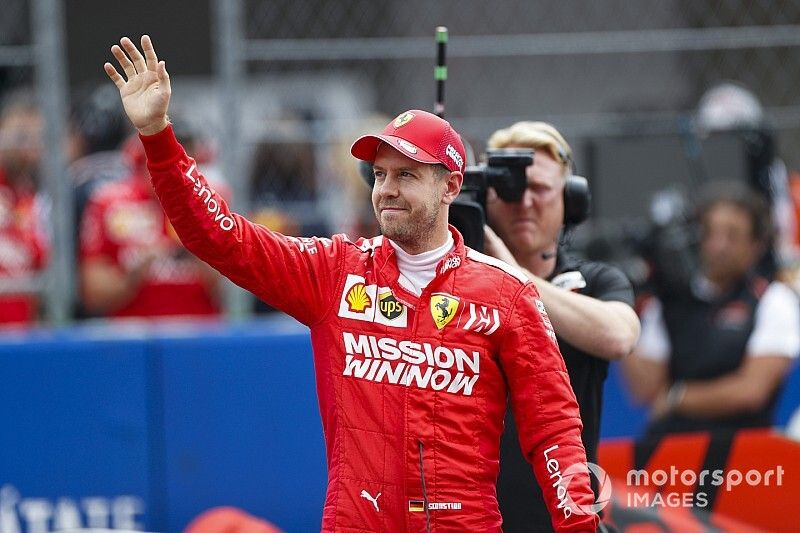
(716, 354)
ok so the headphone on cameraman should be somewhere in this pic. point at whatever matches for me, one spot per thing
(577, 196)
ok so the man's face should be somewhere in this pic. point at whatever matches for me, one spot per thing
(20, 143)
(728, 247)
(407, 197)
(532, 224)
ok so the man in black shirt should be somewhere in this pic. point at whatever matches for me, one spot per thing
(589, 303)
(714, 354)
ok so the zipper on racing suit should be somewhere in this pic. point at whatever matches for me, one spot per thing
(424, 489)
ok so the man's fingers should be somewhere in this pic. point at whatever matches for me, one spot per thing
(163, 77)
(136, 56)
(124, 62)
(149, 53)
(118, 80)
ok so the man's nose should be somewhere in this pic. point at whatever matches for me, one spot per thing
(389, 186)
(527, 198)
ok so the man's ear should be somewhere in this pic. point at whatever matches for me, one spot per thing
(453, 184)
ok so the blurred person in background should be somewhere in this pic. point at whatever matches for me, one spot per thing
(23, 237)
(283, 182)
(132, 263)
(404, 453)
(356, 217)
(730, 108)
(589, 304)
(715, 354)
(98, 128)
(229, 520)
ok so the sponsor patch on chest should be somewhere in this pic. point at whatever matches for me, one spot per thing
(410, 363)
(370, 303)
(481, 319)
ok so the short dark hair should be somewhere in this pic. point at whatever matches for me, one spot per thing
(440, 170)
(745, 198)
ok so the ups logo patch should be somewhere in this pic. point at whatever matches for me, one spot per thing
(389, 307)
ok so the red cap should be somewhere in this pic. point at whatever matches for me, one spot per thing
(420, 135)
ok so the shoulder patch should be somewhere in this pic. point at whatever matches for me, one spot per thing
(571, 281)
(505, 267)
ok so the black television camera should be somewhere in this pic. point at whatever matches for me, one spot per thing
(504, 170)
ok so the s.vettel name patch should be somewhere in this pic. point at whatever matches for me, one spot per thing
(418, 506)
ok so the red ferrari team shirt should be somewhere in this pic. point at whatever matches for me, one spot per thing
(23, 249)
(122, 223)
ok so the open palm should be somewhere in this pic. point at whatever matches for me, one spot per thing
(146, 92)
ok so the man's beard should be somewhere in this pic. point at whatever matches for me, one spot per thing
(414, 228)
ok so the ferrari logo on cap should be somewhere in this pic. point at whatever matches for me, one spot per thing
(443, 308)
(403, 119)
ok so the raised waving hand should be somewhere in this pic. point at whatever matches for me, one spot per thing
(145, 89)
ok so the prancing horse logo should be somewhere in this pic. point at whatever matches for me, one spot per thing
(443, 308)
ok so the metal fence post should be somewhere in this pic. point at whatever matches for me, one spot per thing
(230, 71)
(51, 88)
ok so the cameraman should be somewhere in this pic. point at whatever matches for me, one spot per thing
(589, 303)
(715, 354)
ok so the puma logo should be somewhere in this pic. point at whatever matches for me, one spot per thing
(367, 496)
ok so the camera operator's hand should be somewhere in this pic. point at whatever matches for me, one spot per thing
(494, 246)
(660, 407)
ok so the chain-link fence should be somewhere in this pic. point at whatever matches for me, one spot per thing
(297, 81)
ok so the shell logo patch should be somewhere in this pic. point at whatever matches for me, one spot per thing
(403, 119)
(357, 298)
(443, 308)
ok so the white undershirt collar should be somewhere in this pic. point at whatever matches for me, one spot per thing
(416, 271)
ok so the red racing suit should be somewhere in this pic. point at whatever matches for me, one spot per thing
(412, 389)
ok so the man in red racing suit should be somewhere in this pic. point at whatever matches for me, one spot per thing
(412, 381)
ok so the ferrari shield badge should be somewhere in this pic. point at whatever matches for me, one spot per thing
(403, 119)
(443, 308)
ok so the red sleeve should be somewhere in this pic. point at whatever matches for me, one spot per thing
(297, 276)
(547, 414)
(93, 241)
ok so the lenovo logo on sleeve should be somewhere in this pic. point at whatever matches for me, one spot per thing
(209, 197)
